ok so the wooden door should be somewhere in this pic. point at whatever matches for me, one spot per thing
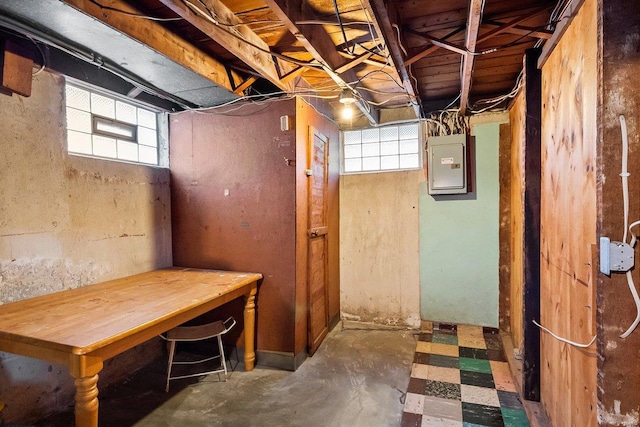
(317, 233)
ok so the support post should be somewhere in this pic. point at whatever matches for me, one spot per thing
(532, 198)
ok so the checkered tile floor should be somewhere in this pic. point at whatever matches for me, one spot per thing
(460, 377)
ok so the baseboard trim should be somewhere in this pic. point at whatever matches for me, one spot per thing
(277, 359)
(280, 360)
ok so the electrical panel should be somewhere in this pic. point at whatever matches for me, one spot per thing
(447, 164)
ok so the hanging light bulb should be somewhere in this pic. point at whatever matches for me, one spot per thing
(347, 112)
(348, 99)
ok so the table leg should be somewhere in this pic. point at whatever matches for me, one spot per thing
(84, 370)
(249, 329)
(87, 401)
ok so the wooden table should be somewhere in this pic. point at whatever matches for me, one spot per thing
(83, 327)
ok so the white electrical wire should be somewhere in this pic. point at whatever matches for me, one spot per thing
(559, 338)
(624, 174)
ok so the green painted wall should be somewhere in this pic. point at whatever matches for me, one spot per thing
(459, 243)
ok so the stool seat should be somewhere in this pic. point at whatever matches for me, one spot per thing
(197, 333)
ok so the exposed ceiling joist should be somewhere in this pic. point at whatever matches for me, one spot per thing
(383, 20)
(439, 42)
(319, 44)
(471, 38)
(372, 60)
(363, 39)
(509, 25)
(387, 52)
(154, 35)
(244, 85)
(502, 28)
(521, 30)
(431, 49)
(237, 38)
(354, 62)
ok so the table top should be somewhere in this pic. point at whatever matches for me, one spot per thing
(85, 319)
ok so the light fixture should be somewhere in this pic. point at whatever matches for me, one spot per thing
(347, 98)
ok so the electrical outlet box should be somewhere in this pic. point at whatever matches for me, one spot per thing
(447, 164)
(615, 256)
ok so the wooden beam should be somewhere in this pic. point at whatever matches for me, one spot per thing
(293, 74)
(154, 35)
(431, 49)
(366, 38)
(320, 45)
(354, 62)
(384, 22)
(511, 24)
(471, 37)
(439, 42)
(245, 84)
(369, 61)
(521, 30)
(239, 40)
(532, 210)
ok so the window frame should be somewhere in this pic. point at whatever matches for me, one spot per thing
(161, 126)
(420, 150)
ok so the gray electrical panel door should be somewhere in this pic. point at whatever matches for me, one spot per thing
(447, 164)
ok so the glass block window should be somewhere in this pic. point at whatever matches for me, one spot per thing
(101, 125)
(381, 149)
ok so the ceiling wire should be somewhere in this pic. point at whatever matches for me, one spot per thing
(370, 73)
(212, 18)
(344, 35)
(500, 99)
(321, 22)
(369, 24)
(42, 55)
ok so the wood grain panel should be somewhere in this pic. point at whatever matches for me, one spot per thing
(233, 205)
(504, 311)
(568, 222)
(517, 119)
(307, 116)
(317, 232)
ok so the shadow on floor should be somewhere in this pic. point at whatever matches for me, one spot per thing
(358, 377)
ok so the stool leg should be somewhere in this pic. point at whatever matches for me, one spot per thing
(222, 358)
(172, 349)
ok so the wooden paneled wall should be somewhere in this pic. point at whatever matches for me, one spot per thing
(517, 119)
(568, 222)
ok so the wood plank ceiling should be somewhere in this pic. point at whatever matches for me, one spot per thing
(414, 54)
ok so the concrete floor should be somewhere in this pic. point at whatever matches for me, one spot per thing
(358, 377)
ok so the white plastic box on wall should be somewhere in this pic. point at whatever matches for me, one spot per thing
(447, 164)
